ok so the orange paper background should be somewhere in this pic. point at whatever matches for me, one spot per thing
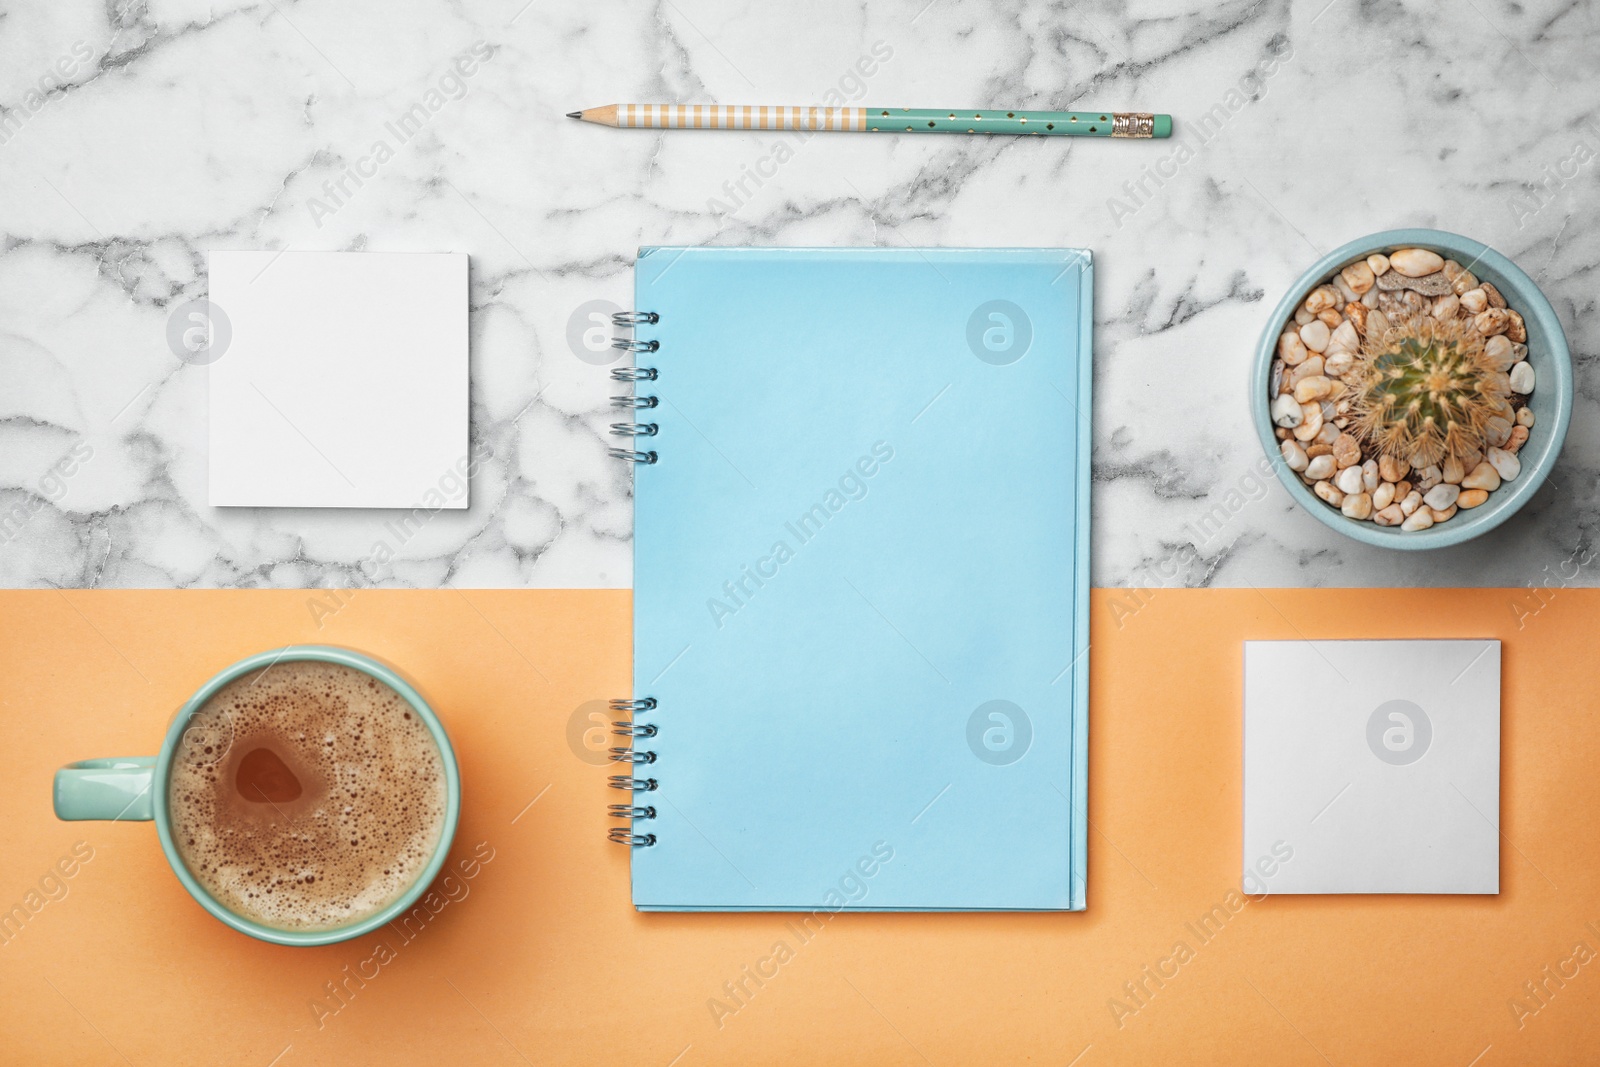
(541, 959)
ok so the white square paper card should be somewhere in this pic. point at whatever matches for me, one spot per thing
(338, 379)
(1372, 766)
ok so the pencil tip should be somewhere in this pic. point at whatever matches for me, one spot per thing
(574, 114)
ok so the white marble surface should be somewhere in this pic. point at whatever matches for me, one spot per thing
(187, 126)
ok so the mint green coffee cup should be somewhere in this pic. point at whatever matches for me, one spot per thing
(134, 789)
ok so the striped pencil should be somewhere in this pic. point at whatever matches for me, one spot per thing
(877, 120)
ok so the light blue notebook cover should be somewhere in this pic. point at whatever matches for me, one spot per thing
(861, 579)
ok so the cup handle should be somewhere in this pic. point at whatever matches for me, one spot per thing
(118, 789)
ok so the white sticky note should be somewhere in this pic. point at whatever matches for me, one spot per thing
(337, 379)
(1372, 766)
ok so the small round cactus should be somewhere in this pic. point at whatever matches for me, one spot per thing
(1425, 390)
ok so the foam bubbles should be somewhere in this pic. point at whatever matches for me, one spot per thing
(365, 821)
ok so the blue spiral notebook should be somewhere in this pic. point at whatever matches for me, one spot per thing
(861, 579)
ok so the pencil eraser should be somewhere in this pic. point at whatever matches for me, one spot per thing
(1162, 127)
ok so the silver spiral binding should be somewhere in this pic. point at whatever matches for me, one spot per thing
(634, 429)
(632, 811)
(634, 757)
(627, 320)
(631, 728)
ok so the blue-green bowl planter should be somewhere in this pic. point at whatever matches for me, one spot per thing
(1551, 399)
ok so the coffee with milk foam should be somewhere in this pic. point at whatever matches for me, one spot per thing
(306, 796)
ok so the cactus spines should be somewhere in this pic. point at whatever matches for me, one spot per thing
(1424, 389)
